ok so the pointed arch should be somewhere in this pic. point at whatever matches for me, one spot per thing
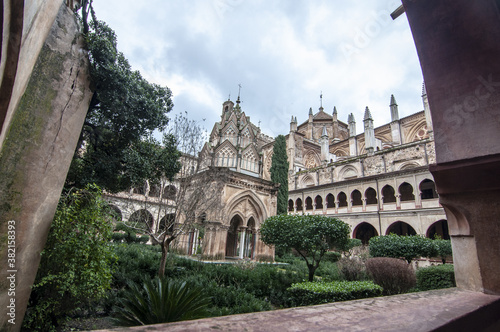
(225, 155)
(311, 159)
(364, 232)
(348, 172)
(400, 228)
(307, 181)
(255, 207)
(250, 159)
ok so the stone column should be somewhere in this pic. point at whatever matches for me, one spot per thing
(46, 109)
(242, 242)
(459, 58)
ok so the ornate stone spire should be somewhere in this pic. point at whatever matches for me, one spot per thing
(352, 125)
(368, 115)
(324, 133)
(394, 109)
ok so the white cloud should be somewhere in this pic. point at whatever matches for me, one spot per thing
(284, 53)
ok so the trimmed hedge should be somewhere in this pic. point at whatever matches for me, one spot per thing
(436, 277)
(309, 293)
(407, 247)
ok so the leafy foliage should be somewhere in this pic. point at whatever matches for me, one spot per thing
(76, 264)
(161, 301)
(394, 275)
(310, 236)
(436, 277)
(407, 247)
(443, 249)
(114, 150)
(279, 172)
(309, 293)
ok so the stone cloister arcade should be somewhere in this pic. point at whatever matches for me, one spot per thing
(405, 203)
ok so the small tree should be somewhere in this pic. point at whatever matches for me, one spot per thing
(443, 248)
(407, 247)
(196, 192)
(279, 172)
(310, 236)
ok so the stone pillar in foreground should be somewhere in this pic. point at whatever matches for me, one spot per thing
(458, 43)
(46, 110)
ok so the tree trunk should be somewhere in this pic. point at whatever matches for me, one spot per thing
(312, 270)
(165, 245)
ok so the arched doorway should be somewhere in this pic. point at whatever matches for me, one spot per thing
(232, 241)
(439, 228)
(401, 228)
(364, 232)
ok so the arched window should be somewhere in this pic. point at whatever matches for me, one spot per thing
(356, 198)
(309, 203)
(298, 203)
(330, 201)
(406, 192)
(428, 189)
(290, 205)
(388, 194)
(342, 197)
(319, 202)
(401, 228)
(371, 196)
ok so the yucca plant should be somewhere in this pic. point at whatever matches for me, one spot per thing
(160, 301)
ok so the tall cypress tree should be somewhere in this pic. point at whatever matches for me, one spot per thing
(279, 172)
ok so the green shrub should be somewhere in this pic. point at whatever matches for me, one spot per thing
(331, 256)
(392, 274)
(309, 293)
(161, 301)
(352, 269)
(124, 233)
(77, 261)
(135, 261)
(407, 247)
(435, 277)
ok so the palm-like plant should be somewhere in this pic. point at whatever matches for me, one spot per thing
(160, 301)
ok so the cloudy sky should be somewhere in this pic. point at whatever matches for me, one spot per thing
(284, 53)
